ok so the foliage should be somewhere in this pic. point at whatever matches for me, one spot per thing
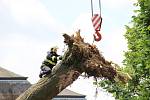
(137, 58)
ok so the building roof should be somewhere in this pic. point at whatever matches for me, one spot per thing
(8, 75)
(69, 93)
(11, 84)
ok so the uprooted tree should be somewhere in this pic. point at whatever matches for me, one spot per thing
(79, 57)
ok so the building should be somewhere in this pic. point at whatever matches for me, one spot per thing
(12, 85)
(69, 95)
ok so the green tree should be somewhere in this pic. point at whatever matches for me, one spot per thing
(137, 58)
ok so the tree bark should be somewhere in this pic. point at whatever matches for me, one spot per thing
(79, 57)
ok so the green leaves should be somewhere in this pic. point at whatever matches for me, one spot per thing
(137, 58)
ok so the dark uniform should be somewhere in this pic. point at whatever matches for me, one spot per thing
(49, 63)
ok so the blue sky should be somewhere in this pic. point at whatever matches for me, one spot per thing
(28, 28)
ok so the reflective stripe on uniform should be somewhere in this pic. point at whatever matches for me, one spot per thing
(50, 62)
(53, 58)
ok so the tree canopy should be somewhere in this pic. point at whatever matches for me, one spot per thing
(137, 58)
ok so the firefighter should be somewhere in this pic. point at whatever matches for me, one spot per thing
(50, 61)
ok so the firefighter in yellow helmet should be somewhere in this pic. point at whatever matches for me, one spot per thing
(50, 61)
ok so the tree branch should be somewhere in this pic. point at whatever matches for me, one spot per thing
(79, 57)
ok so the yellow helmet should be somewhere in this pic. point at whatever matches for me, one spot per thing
(54, 48)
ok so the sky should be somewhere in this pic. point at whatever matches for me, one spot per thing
(28, 28)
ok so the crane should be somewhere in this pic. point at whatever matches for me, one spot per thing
(97, 22)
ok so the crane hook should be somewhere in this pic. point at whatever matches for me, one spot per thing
(97, 36)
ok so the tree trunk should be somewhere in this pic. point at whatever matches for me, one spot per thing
(79, 57)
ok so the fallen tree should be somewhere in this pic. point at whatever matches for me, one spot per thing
(79, 57)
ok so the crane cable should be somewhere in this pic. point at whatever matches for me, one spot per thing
(99, 7)
(92, 7)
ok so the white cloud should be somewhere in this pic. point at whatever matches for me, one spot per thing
(29, 10)
(32, 13)
(117, 3)
(113, 44)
